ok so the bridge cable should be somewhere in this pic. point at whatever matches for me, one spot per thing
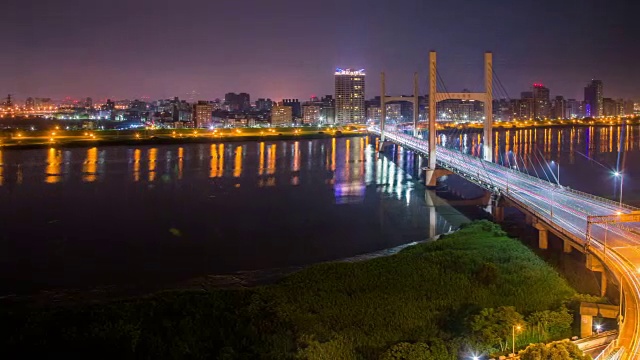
(542, 167)
(549, 167)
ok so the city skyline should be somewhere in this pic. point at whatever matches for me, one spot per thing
(226, 47)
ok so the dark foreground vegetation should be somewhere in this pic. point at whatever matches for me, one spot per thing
(442, 300)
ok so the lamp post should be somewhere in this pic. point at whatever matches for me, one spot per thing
(513, 339)
(558, 165)
(619, 174)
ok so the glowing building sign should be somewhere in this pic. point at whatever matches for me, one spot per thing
(350, 72)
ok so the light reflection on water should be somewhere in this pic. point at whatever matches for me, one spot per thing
(99, 216)
(587, 156)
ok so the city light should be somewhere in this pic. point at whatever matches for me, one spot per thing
(350, 72)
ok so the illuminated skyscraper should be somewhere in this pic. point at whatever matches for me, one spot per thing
(350, 96)
(541, 102)
(202, 114)
(593, 95)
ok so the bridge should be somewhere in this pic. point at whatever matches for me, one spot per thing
(564, 212)
(607, 232)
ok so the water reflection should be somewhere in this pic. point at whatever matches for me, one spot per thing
(237, 167)
(276, 201)
(180, 162)
(152, 154)
(90, 165)
(137, 153)
(54, 163)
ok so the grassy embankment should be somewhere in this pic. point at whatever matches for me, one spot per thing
(20, 139)
(427, 293)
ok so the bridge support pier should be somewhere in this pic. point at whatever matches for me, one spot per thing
(498, 213)
(431, 176)
(589, 310)
(566, 247)
(595, 265)
(543, 236)
(586, 325)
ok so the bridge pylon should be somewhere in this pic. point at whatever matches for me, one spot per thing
(486, 97)
(384, 99)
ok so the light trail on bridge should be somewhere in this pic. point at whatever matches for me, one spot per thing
(563, 210)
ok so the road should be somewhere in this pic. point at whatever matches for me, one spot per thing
(565, 210)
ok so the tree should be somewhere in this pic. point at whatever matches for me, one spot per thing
(552, 324)
(559, 350)
(338, 348)
(494, 327)
(437, 350)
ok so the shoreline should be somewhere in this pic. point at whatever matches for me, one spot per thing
(157, 140)
(241, 279)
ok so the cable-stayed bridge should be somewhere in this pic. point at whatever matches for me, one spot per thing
(607, 232)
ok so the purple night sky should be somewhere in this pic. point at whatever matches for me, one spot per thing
(289, 48)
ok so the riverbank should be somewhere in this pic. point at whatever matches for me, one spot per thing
(22, 140)
(427, 293)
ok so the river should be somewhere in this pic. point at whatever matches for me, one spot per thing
(152, 217)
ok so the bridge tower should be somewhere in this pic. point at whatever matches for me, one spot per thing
(486, 97)
(384, 99)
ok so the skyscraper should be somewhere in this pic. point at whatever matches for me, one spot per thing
(202, 114)
(541, 104)
(593, 94)
(349, 96)
(281, 115)
(295, 107)
(238, 102)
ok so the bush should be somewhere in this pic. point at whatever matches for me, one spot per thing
(559, 350)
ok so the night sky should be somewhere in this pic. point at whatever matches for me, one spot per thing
(290, 48)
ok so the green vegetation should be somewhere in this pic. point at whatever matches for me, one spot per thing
(431, 301)
(559, 350)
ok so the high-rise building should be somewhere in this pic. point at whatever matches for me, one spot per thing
(610, 107)
(349, 89)
(627, 107)
(574, 109)
(526, 105)
(394, 112)
(541, 103)
(238, 102)
(30, 103)
(281, 115)
(88, 103)
(559, 108)
(374, 113)
(264, 104)
(202, 114)
(295, 107)
(328, 115)
(311, 113)
(593, 95)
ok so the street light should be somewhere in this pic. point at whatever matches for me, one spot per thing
(513, 343)
(619, 174)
